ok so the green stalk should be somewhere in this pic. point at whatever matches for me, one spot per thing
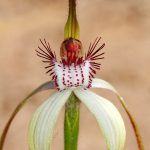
(72, 107)
(71, 123)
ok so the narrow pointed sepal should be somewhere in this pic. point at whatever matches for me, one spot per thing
(71, 29)
(43, 87)
(99, 83)
(44, 119)
(107, 116)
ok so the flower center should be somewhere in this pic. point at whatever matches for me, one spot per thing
(72, 76)
(72, 70)
(71, 51)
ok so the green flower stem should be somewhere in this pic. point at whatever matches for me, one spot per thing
(72, 107)
(72, 26)
(44, 86)
(71, 123)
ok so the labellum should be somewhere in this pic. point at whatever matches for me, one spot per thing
(72, 70)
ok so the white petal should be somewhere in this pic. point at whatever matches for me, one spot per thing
(44, 119)
(107, 116)
(43, 87)
(99, 83)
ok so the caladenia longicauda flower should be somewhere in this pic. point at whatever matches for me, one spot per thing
(72, 77)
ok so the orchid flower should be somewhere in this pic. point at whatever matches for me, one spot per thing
(75, 74)
(72, 78)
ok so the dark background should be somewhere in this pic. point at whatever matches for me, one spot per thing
(125, 28)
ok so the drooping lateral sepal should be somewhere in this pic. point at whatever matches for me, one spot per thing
(44, 119)
(43, 87)
(107, 116)
(99, 83)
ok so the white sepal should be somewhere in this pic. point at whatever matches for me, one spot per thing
(99, 83)
(107, 116)
(44, 119)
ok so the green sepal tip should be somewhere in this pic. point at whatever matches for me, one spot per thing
(71, 29)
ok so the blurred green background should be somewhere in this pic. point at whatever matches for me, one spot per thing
(124, 26)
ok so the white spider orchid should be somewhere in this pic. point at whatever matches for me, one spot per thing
(72, 77)
(75, 74)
